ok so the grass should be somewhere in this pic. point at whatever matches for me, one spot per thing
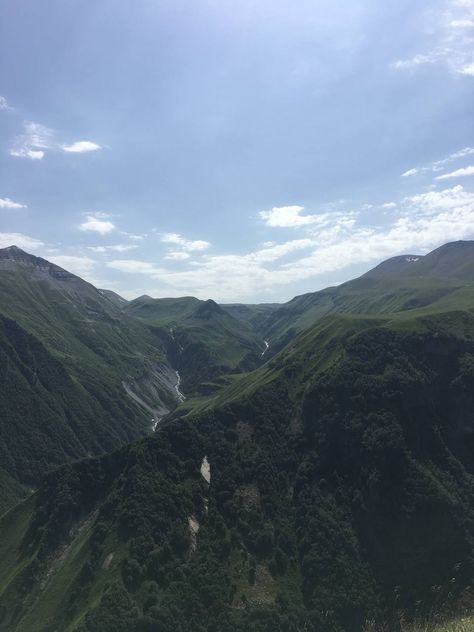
(460, 624)
(464, 624)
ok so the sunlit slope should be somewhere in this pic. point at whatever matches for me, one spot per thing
(402, 286)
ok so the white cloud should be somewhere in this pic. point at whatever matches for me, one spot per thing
(174, 255)
(77, 265)
(122, 247)
(96, 222)
(81, 146)
(134, 237)
(450, 40)
(459, 173)
(439, 165)
(24, 152)
(116, 248)
(410, 172)
(461, 24)
(289, 217)
(389, 205)
(22, 241)
(420, 223)
(467, 151)
(134, 266)
(4, 104)
(35, 139)
(187, 245)
(7, 203)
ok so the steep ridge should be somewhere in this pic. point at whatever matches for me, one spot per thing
(339, 488)
(66, 352)
(441, 280)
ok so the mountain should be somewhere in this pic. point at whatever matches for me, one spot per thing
(204, 342)
(331, 486)
(69, 357)
(442, 280)
(252, 314)
(116, 299)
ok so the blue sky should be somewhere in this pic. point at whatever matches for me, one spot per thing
(244, 151)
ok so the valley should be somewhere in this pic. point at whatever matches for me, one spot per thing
(176, 464)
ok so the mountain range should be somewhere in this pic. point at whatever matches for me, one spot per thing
(311, 465)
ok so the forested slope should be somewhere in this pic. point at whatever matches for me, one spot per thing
(342, 480)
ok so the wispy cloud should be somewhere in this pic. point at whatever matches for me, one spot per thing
(114, 248)
(7, 203)
(174, 255)
(459, 173)
(419, 223)
(188, 245)
(81, 146)
(4, 105)
(438, 165)
(451, 42)
(133, 236)
(37, 139)
(98, 223)
(134, 266)
(81, 266)
(19, 239)
(33, 142)
(410, 172)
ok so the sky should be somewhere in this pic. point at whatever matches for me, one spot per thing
(237, 150)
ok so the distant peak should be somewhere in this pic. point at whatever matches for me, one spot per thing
(27, 260)
(16, 254)
(393, 265)
(207, 308)
(144, 297)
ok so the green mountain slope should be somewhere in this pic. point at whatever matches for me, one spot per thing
(443, 280)
(67, 354)
(332, 485)
(252, 314)
(342, 473)
(204, 342)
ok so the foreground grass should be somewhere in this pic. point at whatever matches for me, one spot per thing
(461, 624)
(464, 624)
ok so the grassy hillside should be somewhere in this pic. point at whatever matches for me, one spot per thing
(402, 287)
(204, 342)
(66, 351)
(330, 489)
(341, 478)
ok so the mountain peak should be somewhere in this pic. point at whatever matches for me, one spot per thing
(393, 265)
(207, 309)
(13, 255)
